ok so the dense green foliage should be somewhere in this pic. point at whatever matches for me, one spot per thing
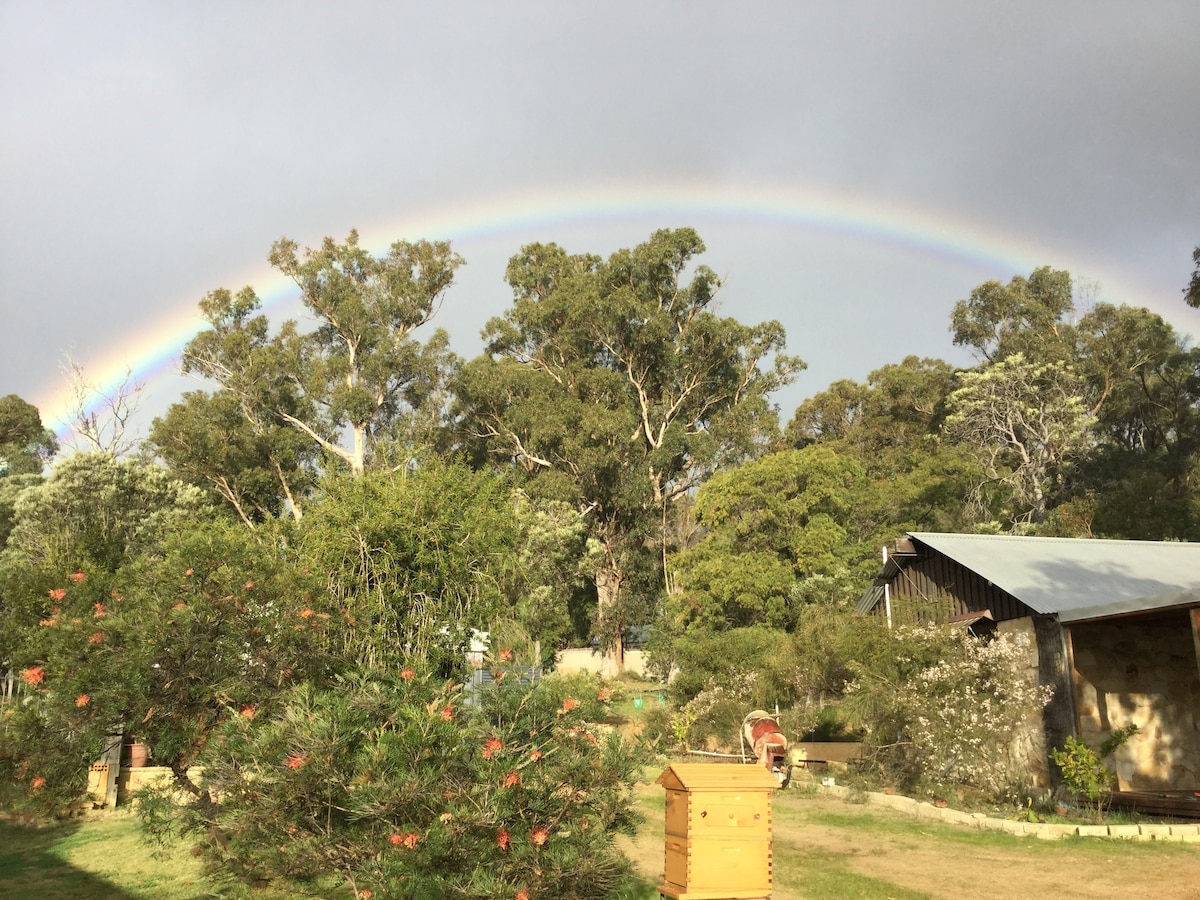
(287, 598)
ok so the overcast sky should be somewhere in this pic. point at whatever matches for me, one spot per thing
(854, 168)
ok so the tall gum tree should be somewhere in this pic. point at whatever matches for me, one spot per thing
(360, 372)
(613, 384)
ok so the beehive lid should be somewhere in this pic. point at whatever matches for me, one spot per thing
(717, 777)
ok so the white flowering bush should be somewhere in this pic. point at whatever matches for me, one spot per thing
(944, 707)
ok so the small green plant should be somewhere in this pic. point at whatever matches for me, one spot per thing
(1083, 769)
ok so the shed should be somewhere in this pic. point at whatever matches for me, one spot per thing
(1114, 627)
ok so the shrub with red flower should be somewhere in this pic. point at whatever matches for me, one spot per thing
(57, 594)
(407, 673)
(385, 767)
(83, 700)
(34, 675)
(78, 577)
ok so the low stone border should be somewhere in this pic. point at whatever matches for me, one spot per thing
(920, 809)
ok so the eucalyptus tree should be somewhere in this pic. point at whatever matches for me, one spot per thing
(613, 385)
(360, 373)
(1027, 424)
(1191, 293)
(1027, 315)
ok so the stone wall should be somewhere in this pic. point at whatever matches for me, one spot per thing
(1029, 743)
(1141, 669)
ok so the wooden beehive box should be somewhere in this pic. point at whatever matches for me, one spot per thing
(718, 831)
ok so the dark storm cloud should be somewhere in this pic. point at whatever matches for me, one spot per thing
(148, 151)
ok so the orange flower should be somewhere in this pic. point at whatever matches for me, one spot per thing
(33, 675)
(48, 623)
(249, 585)
(57, 594)
(248, 711)
(395, 839)
(96, 638)
(521, 895)
(100, 612)
(83, 700)
(190, 572)
(535, 755)
(447, 713)
(604, 694)
(78, 577)
(179, 605)
(502, 839)
(407, 673)
(306, 613)
(569, 704)
(505, 655)
(498, 675)
(512, 779)
(366, 894)
(297, 761)
(491, 746)
(37, 783)
(410, 839)
(538, 836)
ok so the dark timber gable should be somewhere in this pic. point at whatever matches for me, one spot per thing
(929, 577)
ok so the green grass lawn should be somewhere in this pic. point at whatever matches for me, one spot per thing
(823, 847)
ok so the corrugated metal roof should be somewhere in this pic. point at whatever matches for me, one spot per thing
(1079, 578)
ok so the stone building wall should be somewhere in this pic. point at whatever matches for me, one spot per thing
(1029, 743)
(1142, 670)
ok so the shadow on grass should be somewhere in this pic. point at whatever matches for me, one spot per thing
(31, 865)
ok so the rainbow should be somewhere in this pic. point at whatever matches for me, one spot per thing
(153, 353)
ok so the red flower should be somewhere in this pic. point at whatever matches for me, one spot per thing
(249, 585)
(512, 779)
(57, 594)
(365, 894)
(604, 694)
(83, 700)
(179, 605)
(100, 612)
(538, 836)
(491, 746)
(447, 713)
(248, 711)
(33, 675)
(569, 704)
(48, 623)
(96, 638)
(502, 839)
(395, 839)
(78, 577)
(505, 655)
(298, 761)
(498, 675)
(189, 572)
(37, 783)
(410, 839)
(306, 613)
(407, 673)
(535, 755)
(521, 895)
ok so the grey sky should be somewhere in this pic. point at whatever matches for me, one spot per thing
(150, 152)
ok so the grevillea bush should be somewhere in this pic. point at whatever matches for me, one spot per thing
(944, 707)
(393, 786)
